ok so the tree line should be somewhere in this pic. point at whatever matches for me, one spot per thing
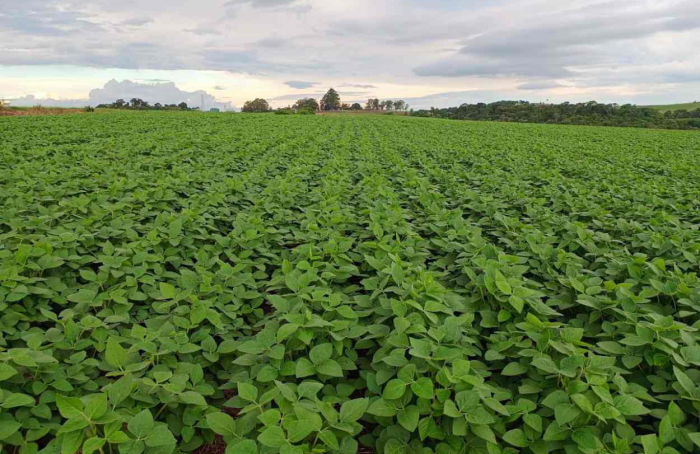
(330, 102)
(589, 113)
(140, 104)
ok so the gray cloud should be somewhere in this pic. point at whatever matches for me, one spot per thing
(260, 3)
(562, 40)
(137, 21)
(539, 85)
(203, 31)
(601, 47)
(300, 84)
(219, 88)
(358, 86)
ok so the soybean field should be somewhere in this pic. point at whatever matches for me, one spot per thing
(180, 282)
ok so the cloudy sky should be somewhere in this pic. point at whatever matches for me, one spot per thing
(430, 52)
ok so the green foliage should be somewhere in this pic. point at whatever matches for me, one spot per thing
(589, 113)
(326, 284)
(257, 105)
(331, 100)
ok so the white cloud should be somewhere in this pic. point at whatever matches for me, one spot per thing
(161, 92)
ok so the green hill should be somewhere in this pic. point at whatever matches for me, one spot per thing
(667, 107)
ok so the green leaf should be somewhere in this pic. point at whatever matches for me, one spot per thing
(115, 354)
(423, 388)
(285, 331)
(394, 389)
(273, 437)
(18, 400)
(93, 444)
(516, 437)
(408, 418)
(502, 283)
(222, 424)
(353, 410)
(330, 368)
(304, 368)
(685, 382)
(141, 424)
(7, 371)
(160, 436)
(321, 353)
(306, 423)
(630, 406)
(242, 447)
(650, 444)
(484, 432)
(120, 390)
(329, 439)
(168, 290)
(513, 369)
(69, 407)
(585, 439)
(96, 407)
(193, 398)
(394, 446)
(695, 438)
(247, 392)
(8, 428)
(380, 407)
(565, 413)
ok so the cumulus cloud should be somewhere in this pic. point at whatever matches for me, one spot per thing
(164, 93)
(300, 84)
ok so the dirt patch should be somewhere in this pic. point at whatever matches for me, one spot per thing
(22, 112)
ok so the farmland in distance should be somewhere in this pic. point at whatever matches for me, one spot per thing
(182, 282)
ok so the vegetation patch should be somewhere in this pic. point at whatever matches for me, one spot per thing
(240, 284)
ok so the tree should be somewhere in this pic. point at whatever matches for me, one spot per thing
(372, 104)
(389, 104)
(182, 105)
(331, 100)
(307, 103)
(382, 105)
(345, 106)
(136, 103)
(356, 106)
(119, 103)
(400, 105)
(256, 105)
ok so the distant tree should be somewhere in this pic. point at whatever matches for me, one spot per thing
(307, 103)
(345, 106)
(135, 103)
(400, 105)
(382, 105)
(331, 100)
(182, 105)
(257, 105)
(373, 104)
(158, 105)
(119, 103)
(356, 106)
(389, 104)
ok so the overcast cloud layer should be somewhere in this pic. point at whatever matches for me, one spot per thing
(435, 52)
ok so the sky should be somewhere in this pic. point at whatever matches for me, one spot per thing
(429, 52)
